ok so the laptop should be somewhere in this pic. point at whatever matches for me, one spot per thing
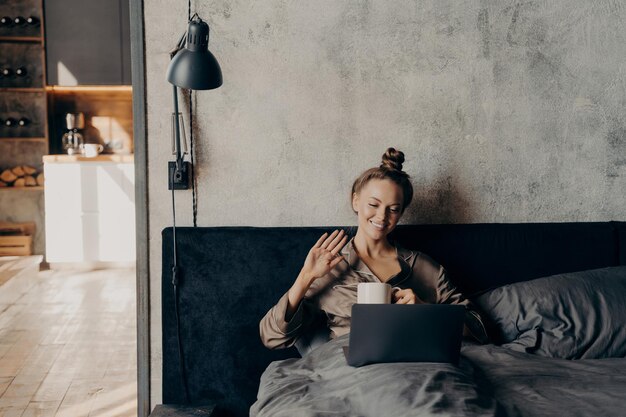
(405, 333)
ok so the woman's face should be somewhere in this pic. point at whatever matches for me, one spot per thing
(379, 207)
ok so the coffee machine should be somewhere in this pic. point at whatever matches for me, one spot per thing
(73, 140)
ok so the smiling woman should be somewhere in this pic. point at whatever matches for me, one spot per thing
(335, 265)
(379, 197)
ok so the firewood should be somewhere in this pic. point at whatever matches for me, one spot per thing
(20, 182)
(40, 179)
(28, 170)
(30, 180)
(18, 171)
(8, 176)
(3, 184)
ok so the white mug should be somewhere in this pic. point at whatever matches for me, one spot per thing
(374, 293)
(91, 150)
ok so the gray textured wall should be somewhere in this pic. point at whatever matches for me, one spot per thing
(507, 112)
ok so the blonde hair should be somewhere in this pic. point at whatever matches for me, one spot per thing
(390, 169)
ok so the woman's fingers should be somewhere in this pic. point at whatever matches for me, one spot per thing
(318, 244)
(326, 249)
(336, 240)
(335, 261)
(406, 296)
(339, 245)
(406, 300)
(329, 239)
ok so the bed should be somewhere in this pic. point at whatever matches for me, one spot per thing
(231, 276)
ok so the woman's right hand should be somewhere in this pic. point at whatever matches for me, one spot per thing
(324, 255)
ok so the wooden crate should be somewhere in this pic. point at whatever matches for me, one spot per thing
(16, 245)
(16, 239)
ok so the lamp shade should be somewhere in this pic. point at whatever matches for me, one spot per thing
(194, 67)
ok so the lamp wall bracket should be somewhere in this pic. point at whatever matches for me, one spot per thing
(179, 178)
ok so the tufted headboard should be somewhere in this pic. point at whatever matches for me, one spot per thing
(231, 276)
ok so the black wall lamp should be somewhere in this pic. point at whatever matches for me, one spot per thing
(192, 67)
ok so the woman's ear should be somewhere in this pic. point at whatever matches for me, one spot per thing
(355, 202)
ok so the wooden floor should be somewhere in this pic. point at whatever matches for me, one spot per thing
(68, 344)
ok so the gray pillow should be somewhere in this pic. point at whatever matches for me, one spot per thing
(578, 315)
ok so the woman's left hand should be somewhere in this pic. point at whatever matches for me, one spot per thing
(406, 296)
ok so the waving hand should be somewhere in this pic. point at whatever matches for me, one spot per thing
(324, 255)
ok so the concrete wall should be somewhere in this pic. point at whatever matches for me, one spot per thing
(507, 112)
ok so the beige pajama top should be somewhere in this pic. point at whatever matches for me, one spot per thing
(335, 293)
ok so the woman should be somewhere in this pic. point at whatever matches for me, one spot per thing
(335, 265)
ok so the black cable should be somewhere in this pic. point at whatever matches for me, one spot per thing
(175, 283)
(194, 182)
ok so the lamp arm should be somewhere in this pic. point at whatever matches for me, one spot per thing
(179, 157)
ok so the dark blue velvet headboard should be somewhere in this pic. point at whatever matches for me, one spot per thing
(231, 276)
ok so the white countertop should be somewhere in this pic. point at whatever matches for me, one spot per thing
(100, 158)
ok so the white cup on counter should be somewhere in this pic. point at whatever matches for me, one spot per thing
(91, 150)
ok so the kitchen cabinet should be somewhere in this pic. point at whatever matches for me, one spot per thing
(90, 209)
(88, 42)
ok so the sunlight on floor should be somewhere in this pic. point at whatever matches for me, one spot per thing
(68, 344)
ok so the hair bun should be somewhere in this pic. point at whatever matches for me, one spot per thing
(393, 159)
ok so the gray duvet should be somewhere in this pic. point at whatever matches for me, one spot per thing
(490, 381)
(530, 385)
(322, 384)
